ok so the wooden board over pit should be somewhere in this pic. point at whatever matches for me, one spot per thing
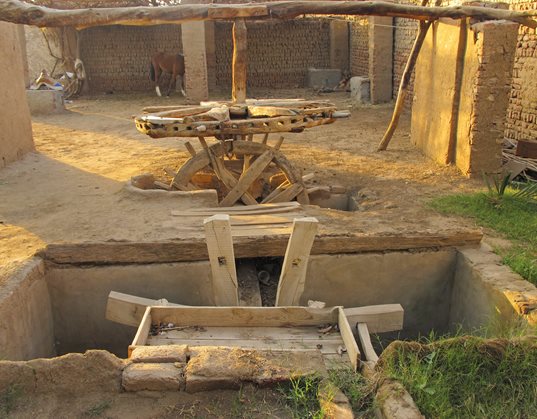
(287, 329)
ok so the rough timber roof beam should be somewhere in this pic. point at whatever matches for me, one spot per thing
(16, 11)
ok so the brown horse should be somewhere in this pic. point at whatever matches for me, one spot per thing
(173, 64)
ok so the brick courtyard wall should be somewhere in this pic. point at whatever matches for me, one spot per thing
(403, 38)
(279, 53)
(521, 123)
(359, 46)
(117, 58)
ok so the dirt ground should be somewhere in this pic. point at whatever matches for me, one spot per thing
(72, 187)
(249, 402)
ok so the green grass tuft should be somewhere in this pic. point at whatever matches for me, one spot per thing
(467, 376)
(358, 390)
(8, 400)
(301, 396)
(513, 217)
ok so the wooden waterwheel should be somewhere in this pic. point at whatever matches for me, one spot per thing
(238, 167)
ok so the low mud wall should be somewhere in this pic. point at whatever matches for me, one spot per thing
(420, 282)
(26, 323)
(79, 296)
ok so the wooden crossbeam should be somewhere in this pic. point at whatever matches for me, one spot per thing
(222, 258)
(295, 262)
(16, 11)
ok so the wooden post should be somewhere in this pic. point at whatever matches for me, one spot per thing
(405, 79)
(295, 263)
(222, 258)
(238, 92)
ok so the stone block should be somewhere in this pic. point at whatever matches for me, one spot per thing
(42, 102)
(167, 353)
(154, 377)
(323, 77)
(360, 90)
(214, 368)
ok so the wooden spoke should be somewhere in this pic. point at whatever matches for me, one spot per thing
(190, 149)
(242, 171)
(247, 178)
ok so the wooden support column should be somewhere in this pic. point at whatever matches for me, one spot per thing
(222, 258)
(238, 92)
(295, 263)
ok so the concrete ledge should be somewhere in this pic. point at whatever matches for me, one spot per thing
(42, 102)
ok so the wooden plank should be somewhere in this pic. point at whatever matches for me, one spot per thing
(287, 194)
(245, 316)
(295, 263)
(325, 347)
(142, 334)
(379, 318)
(247, 178)
(348, 338)
(239, 62)
(128, 309)
(365, 341)
(248, 332)
(222, 258)
(250, 209)
(195, 248)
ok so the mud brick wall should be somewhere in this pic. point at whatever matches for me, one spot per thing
(359, 46)
(117, 58)
(279, 53)
(474, 122)
(521, 123)
(403, 38)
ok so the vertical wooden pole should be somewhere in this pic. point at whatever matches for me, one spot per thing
(295, 263)
(222, 258)
(238, 89)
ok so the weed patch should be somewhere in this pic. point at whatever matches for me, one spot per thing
(467, 376)
(357, 389)
(514, 218)
(8, 400)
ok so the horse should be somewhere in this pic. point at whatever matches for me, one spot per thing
(173, 64)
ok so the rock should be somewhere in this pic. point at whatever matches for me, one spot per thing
(154, 377)
(214, 368)
(144, 181)
(167, 353)
(95, 370)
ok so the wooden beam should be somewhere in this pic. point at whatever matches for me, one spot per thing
(222, 258)
(193, 249)
(379, 318)
(295, 262)
(365, 341)
(239, 62)
(129, 309)
(348, 339)
(16, 11)
(245, 316)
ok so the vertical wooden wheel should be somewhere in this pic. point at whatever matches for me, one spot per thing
(252, 172)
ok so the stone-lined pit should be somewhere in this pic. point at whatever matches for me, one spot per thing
(49, 310)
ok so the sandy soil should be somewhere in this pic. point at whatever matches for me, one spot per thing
(72, 187)
(250, 402)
